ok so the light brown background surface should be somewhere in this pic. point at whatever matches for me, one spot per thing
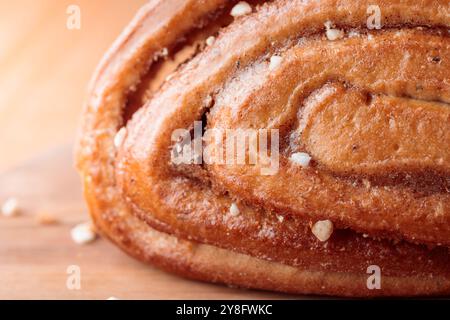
(45, 69)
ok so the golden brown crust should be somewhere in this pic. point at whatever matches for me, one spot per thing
(388, 82)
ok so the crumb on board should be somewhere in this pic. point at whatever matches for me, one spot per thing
(83, 233)
(46, 218)
(11, 208)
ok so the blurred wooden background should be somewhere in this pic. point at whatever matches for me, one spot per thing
(45, 69)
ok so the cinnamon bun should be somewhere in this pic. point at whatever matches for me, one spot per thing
(361, 173)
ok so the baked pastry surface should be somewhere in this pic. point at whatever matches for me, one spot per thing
(371, 107)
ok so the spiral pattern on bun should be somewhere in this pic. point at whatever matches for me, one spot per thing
(362, 117)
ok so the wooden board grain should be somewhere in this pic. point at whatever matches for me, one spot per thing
(34, 258)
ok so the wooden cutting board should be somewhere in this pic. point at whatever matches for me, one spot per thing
(34, 258)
